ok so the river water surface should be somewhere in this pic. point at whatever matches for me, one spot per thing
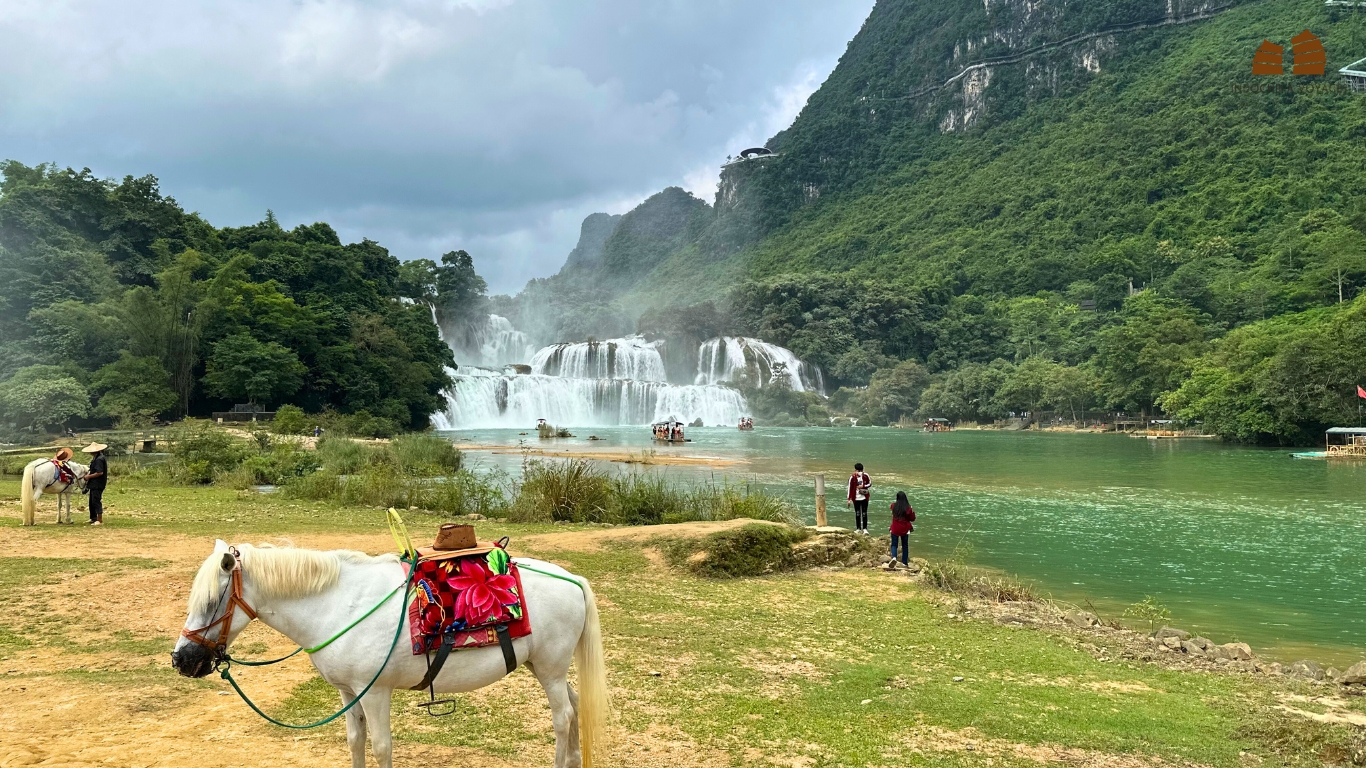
(1241, 543)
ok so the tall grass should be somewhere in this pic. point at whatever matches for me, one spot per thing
(425, 453)
(573, 490)
(579, 490)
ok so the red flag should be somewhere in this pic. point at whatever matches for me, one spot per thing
(1361, 392)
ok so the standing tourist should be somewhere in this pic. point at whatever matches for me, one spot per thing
(95, 480)
(903, 519)
(860, 488)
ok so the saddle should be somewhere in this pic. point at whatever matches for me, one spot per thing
(65, 474)
(468, 597)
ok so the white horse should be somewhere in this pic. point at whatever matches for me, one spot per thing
(309, 596)
(40, 476)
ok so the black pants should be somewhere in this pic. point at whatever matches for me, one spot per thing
(861, 514)
(96, 503)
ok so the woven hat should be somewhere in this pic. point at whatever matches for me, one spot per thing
(94, 448)
(63, 454)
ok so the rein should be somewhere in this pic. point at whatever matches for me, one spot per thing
(235, 600)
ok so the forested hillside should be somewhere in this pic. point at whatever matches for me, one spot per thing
(118, 306)
(1081, 227)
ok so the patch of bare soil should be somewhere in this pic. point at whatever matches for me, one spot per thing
(125, 708)
(930, 740)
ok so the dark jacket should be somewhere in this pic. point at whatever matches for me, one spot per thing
(98, 464)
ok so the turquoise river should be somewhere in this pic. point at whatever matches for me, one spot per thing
(1240, 543)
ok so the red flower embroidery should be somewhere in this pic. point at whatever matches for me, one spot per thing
(482, 594)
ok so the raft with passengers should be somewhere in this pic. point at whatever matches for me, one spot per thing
(670, 431)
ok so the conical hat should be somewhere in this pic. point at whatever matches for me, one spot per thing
(94, 448)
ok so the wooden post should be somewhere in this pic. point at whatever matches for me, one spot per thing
(820, 500)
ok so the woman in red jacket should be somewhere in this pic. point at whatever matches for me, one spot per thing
(903, 519)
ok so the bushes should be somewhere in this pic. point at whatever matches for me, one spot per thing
(201, 451)
(289, 420)
(751, 550)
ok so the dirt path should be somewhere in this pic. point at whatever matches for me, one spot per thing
(124, 708)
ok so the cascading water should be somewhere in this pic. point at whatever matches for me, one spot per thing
(606, 383)
(724, 359)
(493, 343)
(629, 358)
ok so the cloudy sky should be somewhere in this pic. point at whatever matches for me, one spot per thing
(428, 125)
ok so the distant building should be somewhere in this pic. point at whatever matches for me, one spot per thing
(753, 153)
(1354, 75)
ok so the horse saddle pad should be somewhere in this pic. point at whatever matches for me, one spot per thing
(65, 474)
(467, 594)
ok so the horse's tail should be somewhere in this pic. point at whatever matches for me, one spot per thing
(26, 493)
(594, 705)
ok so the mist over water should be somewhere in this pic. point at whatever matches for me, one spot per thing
(605, 383)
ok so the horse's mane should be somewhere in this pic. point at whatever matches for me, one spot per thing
(278, 571)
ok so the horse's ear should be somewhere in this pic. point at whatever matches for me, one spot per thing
(228, 561)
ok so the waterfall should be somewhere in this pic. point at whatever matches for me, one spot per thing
(489, 401)
(603, 383)
(723, 359)
(489, 341)
(630, 358)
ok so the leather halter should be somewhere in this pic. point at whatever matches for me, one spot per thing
(224, 622)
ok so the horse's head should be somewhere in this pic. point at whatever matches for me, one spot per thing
(217, 613)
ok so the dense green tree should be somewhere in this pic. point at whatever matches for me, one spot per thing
(40, 396)
(133, 390)
(1282, 380)
(1149, 352)
(242, 368)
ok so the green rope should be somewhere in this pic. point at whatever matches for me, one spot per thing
(407, 584)
(245, 663)
(569, 579)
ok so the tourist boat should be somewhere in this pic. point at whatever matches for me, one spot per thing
(1339, 443)
(1345, 443)
(938, 425)
(669, 431)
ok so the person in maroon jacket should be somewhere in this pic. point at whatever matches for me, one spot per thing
(860, 488)
(903, 522)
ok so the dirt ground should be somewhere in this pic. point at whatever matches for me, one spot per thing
(61, 711)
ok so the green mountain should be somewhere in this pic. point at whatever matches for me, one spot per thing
(982, 181)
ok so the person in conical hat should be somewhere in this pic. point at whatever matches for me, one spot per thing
(96, 480)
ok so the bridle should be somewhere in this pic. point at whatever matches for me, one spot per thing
(219, 646)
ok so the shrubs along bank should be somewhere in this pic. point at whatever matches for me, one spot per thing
(426, 471)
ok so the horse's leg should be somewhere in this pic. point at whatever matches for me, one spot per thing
(355, 728)
(574, 721)
(563, 717)
(377, 703)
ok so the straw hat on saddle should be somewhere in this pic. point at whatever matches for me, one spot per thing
(95, 448)
(63, 454)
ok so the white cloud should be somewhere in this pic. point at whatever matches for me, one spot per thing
(425, 124)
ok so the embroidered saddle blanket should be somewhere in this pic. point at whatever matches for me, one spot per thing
(468, 596)
(65, 474)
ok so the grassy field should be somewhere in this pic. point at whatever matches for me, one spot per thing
(819, 668)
